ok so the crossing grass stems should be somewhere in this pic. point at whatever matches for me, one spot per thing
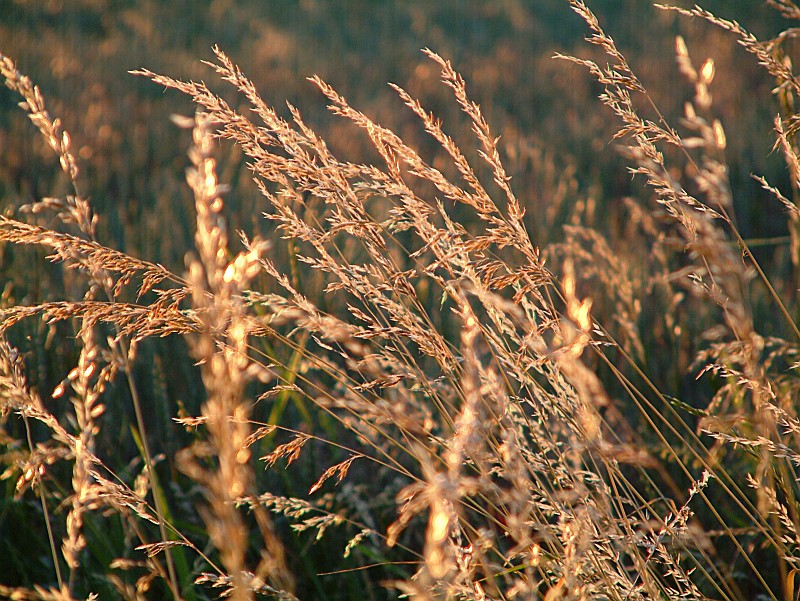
(503, 401)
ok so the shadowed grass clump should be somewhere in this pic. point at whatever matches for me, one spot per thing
(462, 411)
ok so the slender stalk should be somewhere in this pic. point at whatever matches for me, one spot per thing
(43, 500)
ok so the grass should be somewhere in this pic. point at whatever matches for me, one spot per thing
(411, 377)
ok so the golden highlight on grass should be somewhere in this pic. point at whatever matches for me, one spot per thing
(442, 404)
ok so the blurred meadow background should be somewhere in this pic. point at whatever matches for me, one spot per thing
(553, 130)
(557, 145)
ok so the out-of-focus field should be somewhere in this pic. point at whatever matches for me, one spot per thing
(79, 54)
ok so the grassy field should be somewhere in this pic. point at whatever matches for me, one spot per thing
(292, 308)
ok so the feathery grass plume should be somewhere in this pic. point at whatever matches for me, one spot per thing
(720, 273)
(91, 489)
(97, 262)
(771, 56)
(71, 209)
(86, 398)
(457, 410)
(511, 458)
(781, 472)
(221, 346)
(773, 469)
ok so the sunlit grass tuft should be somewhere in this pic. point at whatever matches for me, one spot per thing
(423, 399)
